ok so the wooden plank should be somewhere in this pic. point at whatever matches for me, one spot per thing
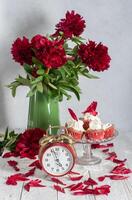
(119, 189)
(8, 192)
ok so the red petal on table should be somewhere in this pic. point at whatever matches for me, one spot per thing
(9, 154)
(117, 161)
(91, 108)
(101, 146)
(117, 177)
(58, 188)
(120, 169)
(105, 150)
(73, 115)
(27, 187)
(75, 178)
(12, 180)
(56, 180)
(30, 172)
(72, 172)
(112, 157)
(33, 183)
(13, 164)
(90, 181)
(112, 177)
(36, 164)
(78, 186)
(101, 178)
(110, 145)
(104, 189)
(70, 186)
(80, 193)
(86, 191)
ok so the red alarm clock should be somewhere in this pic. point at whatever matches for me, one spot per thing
(57, 154)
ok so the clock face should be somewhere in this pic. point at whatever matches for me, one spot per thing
(57, 160)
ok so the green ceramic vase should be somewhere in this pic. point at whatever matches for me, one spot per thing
(43, 111)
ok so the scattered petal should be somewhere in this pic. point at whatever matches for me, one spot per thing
(90, 181)
(101, 178)
(117, 161)
(12, 180)
(91, 109)
(117, 177)
(75, 178)
(36, 164)
(101, 146)
(59, 189)
(9, 154)
(105, 150)
(56, 180)
(78, 186)
(30, 172)
(119, 169)
(112, 177)
(13, 164)
(33, 183)
(73, 115)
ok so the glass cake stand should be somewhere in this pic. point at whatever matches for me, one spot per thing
(88, 158)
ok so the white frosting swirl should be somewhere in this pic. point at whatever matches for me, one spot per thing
(77, 125)
(95, 124)
(105, 126)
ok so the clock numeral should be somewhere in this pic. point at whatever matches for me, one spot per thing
(56, 149)
(68, 159)
(46, 159)
(48, 165)
(48, 154)
(52, 168)
(66, 164)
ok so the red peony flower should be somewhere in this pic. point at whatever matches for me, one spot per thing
(39, 41)
(95, 56)
(21, 51)
(50, 53)
(28, 143)
(72, 25)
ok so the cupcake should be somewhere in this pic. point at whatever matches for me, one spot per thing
(89, 114)
(94, 129)
(109, 130)
(75, 126)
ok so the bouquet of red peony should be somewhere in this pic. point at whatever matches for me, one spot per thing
(54, 63)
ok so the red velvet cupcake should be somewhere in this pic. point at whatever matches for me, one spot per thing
(109, 131)
(95, 135)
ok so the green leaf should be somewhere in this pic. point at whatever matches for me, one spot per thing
(52, 86)
(65, 93)
(37, 62)
(40, 87)
(88, 75)
(37, 80)
(27, 68)
(6, 134)
(40, 72)
(23, 81)
(32, 91)
(75, 90)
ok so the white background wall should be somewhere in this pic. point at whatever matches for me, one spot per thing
(107, 21)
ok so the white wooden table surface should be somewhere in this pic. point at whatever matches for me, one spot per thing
(120, 190)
